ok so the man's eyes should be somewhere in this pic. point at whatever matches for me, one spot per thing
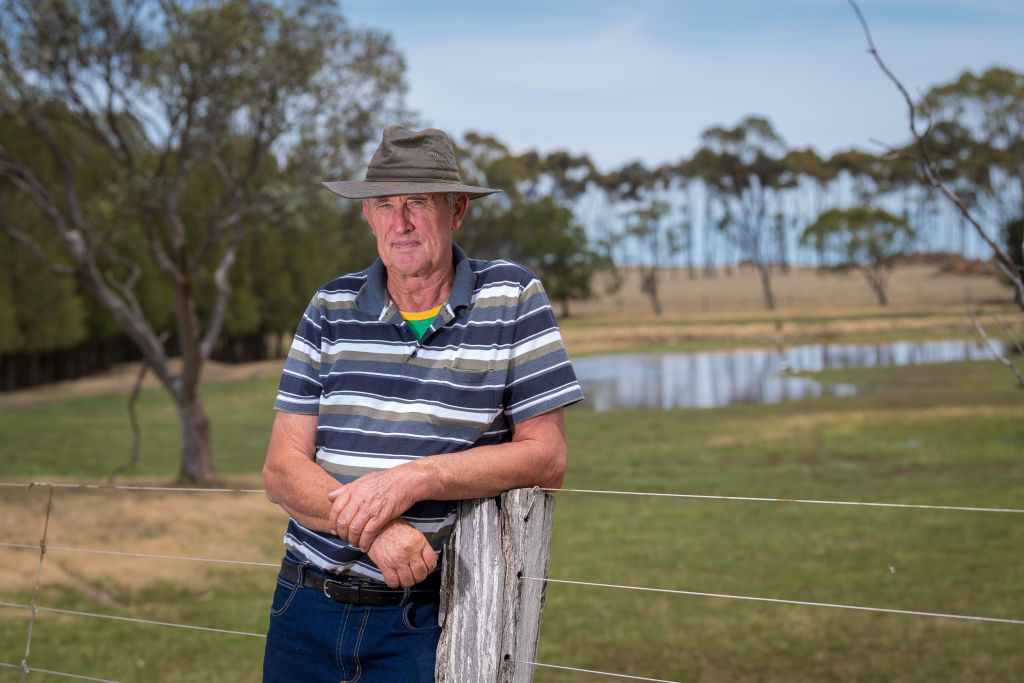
(411, 203)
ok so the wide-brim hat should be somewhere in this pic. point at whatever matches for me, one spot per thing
(409, 162)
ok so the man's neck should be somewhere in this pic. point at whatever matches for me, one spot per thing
(416, 294)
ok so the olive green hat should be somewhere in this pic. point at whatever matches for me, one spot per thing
(409, 162)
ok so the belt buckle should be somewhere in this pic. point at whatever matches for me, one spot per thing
(341, 591)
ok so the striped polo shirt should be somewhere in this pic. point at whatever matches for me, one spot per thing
(492, 357)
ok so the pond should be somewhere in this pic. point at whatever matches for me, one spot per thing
(706, 379)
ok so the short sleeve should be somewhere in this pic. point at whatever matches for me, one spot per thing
(300, 388)
(540, 376)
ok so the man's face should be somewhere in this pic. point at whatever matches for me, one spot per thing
(414, 231)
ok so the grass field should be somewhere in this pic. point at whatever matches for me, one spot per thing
(936, 435)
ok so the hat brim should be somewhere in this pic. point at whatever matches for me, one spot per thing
(363, 189)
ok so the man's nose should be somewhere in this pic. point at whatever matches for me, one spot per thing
(403, 219)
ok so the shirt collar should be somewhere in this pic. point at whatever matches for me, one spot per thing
(373, 299)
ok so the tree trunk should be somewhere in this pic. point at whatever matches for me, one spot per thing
(877, 282)
(649, 286)
(196, 452)
(766, 286)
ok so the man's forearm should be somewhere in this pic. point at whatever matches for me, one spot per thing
(302, 493)
(487, 471)
(535, 457)
(291, 477)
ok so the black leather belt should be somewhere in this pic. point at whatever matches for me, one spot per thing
(355, 592)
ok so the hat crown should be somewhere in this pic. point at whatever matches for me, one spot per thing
(426, 155)
(409, 162)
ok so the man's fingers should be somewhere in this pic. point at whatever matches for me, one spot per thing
(405, 574)
(429, 558)
(390, 577)
(419, 569)
(369, 533)
(356, 527)
(340, 501)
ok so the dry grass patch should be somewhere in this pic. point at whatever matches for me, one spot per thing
(779, 427)
(801, 289)
(225, 526)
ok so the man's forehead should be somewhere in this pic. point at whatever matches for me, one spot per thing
(403, 197)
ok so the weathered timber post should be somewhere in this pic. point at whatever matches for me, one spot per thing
(490, 613)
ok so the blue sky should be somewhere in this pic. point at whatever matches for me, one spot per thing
(640, 80)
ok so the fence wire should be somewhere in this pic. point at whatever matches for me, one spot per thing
(43, 548)
(30, 669)
(782, 601)
(790, 500)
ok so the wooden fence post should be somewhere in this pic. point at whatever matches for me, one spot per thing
(490, 614)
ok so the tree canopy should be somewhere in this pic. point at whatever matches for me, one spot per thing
(153, 138)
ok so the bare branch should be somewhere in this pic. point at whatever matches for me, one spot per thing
(223, 284)
(133, 417)
(931, 173)
(994, 351)
(1013, 338)
(24, 238)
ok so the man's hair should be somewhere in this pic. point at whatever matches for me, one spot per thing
(450, 197)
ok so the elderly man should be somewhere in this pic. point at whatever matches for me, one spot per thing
(427, 378)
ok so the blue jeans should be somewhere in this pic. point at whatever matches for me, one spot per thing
(313, 638)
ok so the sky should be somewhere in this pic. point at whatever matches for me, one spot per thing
(639, 80)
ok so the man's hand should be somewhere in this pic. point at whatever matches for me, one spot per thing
(402, 554)
(361, 509)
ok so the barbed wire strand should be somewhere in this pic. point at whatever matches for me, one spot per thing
(599, 673)
(134, 620)
(782, 601)
(59, 673)
(789, 500)
(143, 555)
(35, 592)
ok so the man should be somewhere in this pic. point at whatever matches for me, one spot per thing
(427, 378)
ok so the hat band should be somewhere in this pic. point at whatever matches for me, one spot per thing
(417, 175)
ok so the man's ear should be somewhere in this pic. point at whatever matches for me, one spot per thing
(459, 210)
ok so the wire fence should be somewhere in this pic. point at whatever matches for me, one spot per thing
(43, 548)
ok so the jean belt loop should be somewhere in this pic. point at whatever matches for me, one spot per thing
(302, 572)
(405, 596)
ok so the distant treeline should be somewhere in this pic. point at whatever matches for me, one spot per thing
(742, 196)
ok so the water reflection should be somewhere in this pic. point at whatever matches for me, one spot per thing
(716, 378)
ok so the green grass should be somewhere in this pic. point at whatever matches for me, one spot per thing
(936, 435)
(90, 436)
(237, 599)
(949, 434)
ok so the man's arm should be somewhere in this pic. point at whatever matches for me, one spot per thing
(535, 456)
(291, 477)
(293, 480)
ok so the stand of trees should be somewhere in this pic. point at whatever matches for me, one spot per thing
(146, 142)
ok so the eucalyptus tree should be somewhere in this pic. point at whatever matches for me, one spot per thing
(196, 107)
(808, 175)
(990, 106)
(658, 240)
(531, 221)
(976, 134)
(861, 237)
(745, 171)
(975, 143)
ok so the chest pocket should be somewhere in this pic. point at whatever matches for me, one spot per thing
(475, 384)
